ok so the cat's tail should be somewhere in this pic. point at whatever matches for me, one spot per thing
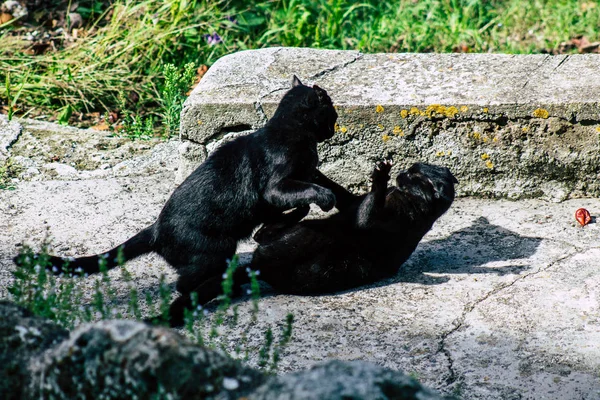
(139, 244)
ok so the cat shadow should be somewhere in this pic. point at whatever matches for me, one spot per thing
(481, 248)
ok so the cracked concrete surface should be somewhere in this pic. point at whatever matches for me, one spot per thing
(509, 126)
(501, 300)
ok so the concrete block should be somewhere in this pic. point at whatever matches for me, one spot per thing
(508, 126)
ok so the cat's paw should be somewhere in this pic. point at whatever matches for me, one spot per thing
(381, 172)
(326, 200)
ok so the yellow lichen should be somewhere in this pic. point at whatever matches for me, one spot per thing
(404, 113)
(598, 129)
(485, 110)
(385, 138)
(525, 129)
(449, 153)
(199, 122)
(541, 113)
(381, 127)
(343, 129)
(451, 112)
(476, 135)
(434, 110)
(440, 154)
(485, 139)
(398, 131)
(414, 111)
(379, 108)
(464, 108)
(485, 156)
(336, 127)
(489, 164)
(495, 139)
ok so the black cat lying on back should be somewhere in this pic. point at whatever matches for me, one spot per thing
(366, 241)
(243, 183)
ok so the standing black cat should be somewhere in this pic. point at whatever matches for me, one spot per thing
(243, 183)
(367, 240)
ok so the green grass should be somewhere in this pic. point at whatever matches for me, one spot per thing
(125, 45)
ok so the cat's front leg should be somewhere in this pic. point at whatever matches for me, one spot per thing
(274, 225)
(343, 198)
(290, 193)
(374, 202)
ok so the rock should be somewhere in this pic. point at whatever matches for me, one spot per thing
(66, 153)
(22, 337)
(190, 156)
(61, 169)
(339, 380)
(9, 133)
(508, 126)
(125, 359)
(14, 8)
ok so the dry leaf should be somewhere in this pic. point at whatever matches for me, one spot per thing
(462, 48)
(5, 17)
(584, 45)
(199, 74)
(101, 127)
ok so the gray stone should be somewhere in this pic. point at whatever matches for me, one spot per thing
(129, 360)
(22, 337)
(65, 153)
(59, 169)
(9, 133)
(190, 156)
(508, 126)
(338, 380)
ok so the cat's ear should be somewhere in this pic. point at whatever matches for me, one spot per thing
(296, 81)
(321, 94)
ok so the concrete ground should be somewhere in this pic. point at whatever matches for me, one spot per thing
(499, 301)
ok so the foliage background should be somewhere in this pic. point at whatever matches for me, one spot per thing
(113, 61)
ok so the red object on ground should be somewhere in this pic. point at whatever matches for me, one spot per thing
(583, 216)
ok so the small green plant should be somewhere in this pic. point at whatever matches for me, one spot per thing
(12, 101)
(64, 299)
(134, 126)
(37, 289)
(65, 115)
(173, 94)
(8, 169)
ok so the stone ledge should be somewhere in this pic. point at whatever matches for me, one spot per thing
(512, 126)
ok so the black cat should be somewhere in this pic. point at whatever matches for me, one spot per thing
(245, 182)
(368, 240)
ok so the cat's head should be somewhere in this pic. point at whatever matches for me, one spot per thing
(311, 107)
(431, 182)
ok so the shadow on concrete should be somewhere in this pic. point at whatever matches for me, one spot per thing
(469, 251)
(481, 248)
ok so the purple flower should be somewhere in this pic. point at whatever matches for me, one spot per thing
(212, 39)
(232, 19)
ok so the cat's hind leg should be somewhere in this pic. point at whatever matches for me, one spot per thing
(210, 289)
